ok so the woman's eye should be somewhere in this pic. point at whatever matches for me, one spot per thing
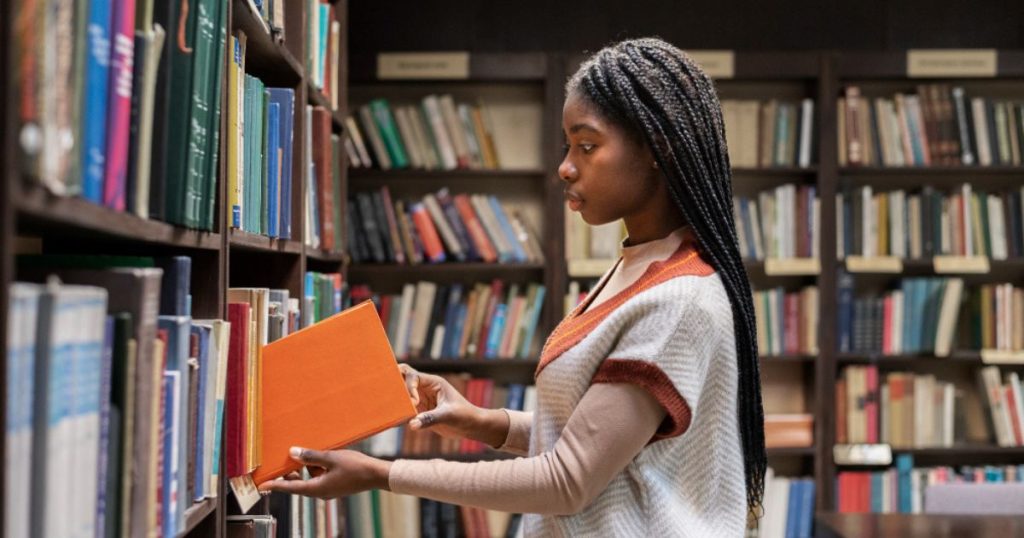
(587, 148)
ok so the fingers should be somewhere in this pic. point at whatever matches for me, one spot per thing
(412, 382)
(308, 456)
(309, 488)
(427, 419)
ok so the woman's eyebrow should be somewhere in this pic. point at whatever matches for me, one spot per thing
(583, 127)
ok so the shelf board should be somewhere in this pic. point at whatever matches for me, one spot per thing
(260, 243)
(321, 256)
(317, 98)
(197, 513)
(472, 365)
(367, 271)
(775, 171)
(783, 268)
(802, 451)
(265, 56)
(969, 451)
(961, 357)
(411, 173)
(788, 358)
(44, 211)
(941, 171)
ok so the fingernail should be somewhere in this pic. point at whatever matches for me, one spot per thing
(415, 423)
(295, 452)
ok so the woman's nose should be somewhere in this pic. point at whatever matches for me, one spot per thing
(567, 171)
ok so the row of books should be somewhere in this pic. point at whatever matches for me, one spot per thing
(901, 489)
(929, 222)
(939, 125)
(919, 316)
(586, 242)
(382, 513)
(116, 397)
(764, 134)
(271, 14)
(261, 122)
(902, 409)
(788, 507)
(438, 227)
(428, 320)
(993, 318)
(111, 111)
(323, 182)
(481, 392)
(323, 48)
(787, 322)
(437, 134)
(1003, 398)
(783, 222)
(306, 517)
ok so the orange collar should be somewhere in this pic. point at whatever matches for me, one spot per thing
(686, 261)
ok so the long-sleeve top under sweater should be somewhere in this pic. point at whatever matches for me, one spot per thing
(612, 423)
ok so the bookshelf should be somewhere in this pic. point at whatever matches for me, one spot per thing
(33, 219)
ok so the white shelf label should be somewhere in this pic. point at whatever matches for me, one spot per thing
(422, 65)
(999, 356)
(862, 454)
(717, 64)
(960, 264)
(874, 264)
(952, 63)
(792, 266)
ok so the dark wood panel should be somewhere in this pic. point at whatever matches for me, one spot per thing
(483, 67)
(265, 57)
(832, 525)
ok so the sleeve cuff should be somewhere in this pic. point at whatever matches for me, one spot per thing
(517, 440)
(651, 378)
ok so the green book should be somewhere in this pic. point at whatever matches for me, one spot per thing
(204, 70)
(389, 132)
(336, 162)
(178, 116)
(378, 524)
(246, 149)
(216, 90)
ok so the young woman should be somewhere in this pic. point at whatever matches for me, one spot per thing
(649, 419)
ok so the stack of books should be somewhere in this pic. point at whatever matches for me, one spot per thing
(771, 133)
(780, 223)
(787, 322)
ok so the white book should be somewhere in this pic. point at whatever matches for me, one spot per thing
(897, 316)
(914, 217)
(606, 240)
(419, 128)
(866, 219)
(776, 508)
(948, 316)
(945, 241)
(997, 230)
(806, 127)
(840, 229)
(981, 131)
(405, 321)
(897, 235)
(883, 414)
(352, 129)
(530, 398)
(442, 138)
(21, 357)
(438, 341)
(1013, 381)
(84, 412)
(948, 413)
(450, 116)
(408, 138)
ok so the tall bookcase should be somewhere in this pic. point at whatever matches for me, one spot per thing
(33, 219)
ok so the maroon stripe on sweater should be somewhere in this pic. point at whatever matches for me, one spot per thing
(651, 378)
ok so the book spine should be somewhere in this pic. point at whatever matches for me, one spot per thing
(119, 104)
(94, 102)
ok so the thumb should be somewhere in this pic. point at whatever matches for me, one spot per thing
(308, 456)
(435, 416)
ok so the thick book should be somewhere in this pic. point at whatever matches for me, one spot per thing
(327, 386)
(285, 98)
(122, 47)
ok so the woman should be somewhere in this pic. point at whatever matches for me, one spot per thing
(649, 418)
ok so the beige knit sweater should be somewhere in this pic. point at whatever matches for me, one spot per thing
(608, 450)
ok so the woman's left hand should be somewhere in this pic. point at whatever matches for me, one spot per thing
(335, 473)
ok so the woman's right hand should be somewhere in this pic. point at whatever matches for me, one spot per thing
(444, 410)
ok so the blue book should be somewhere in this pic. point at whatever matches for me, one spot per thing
(451, 317)
(496, 332)
(178, 330)
(806, 518)
(203, 335)
(285, 98)
(516, 395)
(793, 507)
(94, 101)
(904, 466)
(506, 228)
(538, 304)
(171, 455)
(175, 284)
(325, 24)
(272, 171)
(460, 326)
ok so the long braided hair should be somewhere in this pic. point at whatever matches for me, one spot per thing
(661, 97)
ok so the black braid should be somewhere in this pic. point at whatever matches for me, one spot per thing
(662, 98)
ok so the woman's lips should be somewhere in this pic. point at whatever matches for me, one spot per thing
(574, 200)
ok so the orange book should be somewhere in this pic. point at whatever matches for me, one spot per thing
(327, 386)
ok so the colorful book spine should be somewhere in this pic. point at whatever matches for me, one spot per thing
(119, 104)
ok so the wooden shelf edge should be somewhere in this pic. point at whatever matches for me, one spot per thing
(321, 256)
(317, 98)
(928, 170)
(197, 513)
(964, 356)
(40, 205)
(260, 243)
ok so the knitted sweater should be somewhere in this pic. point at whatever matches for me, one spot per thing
(672, 333)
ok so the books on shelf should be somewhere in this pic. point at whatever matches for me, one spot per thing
(769, 133)
(323, 41)
(260, 145)
(788, 430)
(787, 322)
(111, 112)
(485, 321)
(271, 14)
(781, 223)
(591, 250)
(994, 318)
(307, 516)
(1001, 397)
(434, 134)
(438, 227)
(926, 222)
(382, 513)
(788, 507)
(901, 489)
(323, 183)
(935, 125)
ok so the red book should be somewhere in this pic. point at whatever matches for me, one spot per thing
(1011, 402)
(239, 315)
(887, 325)
(122, 53)
(324, 171)
(428, 234)
(385, 310)
(476, 230)
(791, 326)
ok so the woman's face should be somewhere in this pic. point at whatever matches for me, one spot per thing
(608, 175)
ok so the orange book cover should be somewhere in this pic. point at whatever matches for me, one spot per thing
(327, 386)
